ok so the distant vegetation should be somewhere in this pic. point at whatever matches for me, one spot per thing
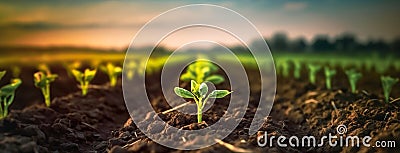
(346, 43)
(343, 46)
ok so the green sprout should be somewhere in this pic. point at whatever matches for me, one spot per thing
(112, 71)
(353, 77)
(84, 78)
(42, 80)
(387, 84)
(202, 71)
(313, 69)
(199, 95)
(130, 69)
(7, 94)
(285, 68)
(297, 70)
(329, 73)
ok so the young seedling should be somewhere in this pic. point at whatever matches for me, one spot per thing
(353, 77)
(130, 69)
(42, 80)
(113, 72)
(199, 94)
(285, 68)
(387, 84)
(297, 70)
(84, 78)
(7, 94)
(202, 71)
(329, 73)
(313, 69)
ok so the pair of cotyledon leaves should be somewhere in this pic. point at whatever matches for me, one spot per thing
(86, 76)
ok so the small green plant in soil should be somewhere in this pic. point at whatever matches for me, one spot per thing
(313, 70)
(199, 94)
(353, 77)
(7, 94)
(387, 84)
(329, 73)
(202, 71)
(84, 78)
(297, 70)
(113, 72)
(42, 80)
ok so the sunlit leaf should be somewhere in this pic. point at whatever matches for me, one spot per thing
(77, 74)
(10, 88)
(193, 86)
(203, 89)
(219, 93)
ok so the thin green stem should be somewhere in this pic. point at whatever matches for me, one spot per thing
(386, 94)
(353, 86)
(199, 115)
(113, 81)
(5, 109)
(200, 110)
(328, 83)
(1, 110)
(46, 95)
(84, 87)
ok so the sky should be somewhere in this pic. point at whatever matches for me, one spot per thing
(113, 24)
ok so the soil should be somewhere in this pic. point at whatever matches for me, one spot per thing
(99, 122)
(73, 123)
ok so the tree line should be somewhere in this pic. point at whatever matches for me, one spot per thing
(345, 43)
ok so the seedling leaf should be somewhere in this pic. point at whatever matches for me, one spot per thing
(10, 88)
(77, 74)
(89, 75)
(84, 78)
(353, 77)
(203, 90)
